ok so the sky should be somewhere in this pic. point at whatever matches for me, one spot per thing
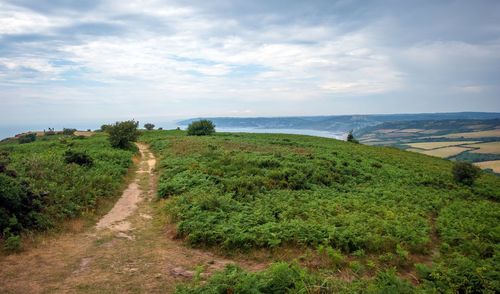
(81, 61)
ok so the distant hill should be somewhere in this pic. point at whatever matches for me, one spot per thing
(336, 123)
(426, 128)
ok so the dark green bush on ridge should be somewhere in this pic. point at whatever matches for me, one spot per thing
(68, 131)
(105, 127)
(149, 126)
(122, 134)
(201, 128)
(465, 172)
(28, 138)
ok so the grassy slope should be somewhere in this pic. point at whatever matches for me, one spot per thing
(359, 213)
(56, 189)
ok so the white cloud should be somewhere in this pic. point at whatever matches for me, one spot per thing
(15, 20)
(166, 52)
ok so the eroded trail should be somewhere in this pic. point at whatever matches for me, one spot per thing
(129, 250)
(116, 219)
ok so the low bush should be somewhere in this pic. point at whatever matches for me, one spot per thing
(68, 132)
(465, 172)
(201, 128)
(78, 157)
(12, 243)
(122, 134)
(387, 282)
(28, 138)
(278, 278)
(149, 126)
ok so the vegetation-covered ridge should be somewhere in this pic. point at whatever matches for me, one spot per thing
(369, 215)
(45, 181)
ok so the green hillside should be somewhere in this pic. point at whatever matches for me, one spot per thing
(351, 217)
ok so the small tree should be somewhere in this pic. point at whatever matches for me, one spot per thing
(350, 137)
(149, 126)
(202, 127)
(465, 172)
(122, 133)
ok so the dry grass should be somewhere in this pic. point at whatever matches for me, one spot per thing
(389, 142)
(493, 164)
(84, 133)
(486, 148)
(479, 134)
(435, 145)
(442, 152)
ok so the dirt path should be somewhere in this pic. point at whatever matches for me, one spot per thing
(128, 251)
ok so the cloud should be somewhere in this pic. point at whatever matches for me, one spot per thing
(334, 56)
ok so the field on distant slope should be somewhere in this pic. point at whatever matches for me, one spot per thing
(444, 152)
(486, 148)
(479, 134)
(493, 164)
(434, 145)
(353, 218)
(449, 139)
(39, 189)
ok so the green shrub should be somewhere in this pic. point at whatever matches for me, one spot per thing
(387, 282)
(28, 138)
(278, 278)
(78, 157)
(12, 243)
(4, 160)
(465, 172)
(201, 128)
(356, 267)
(350, 138)
(121, 134)
(149, 126)
(334, 257)
(68, 132)
(105, 127)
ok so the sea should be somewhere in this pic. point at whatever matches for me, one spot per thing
(317, 133)
(11, 130)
